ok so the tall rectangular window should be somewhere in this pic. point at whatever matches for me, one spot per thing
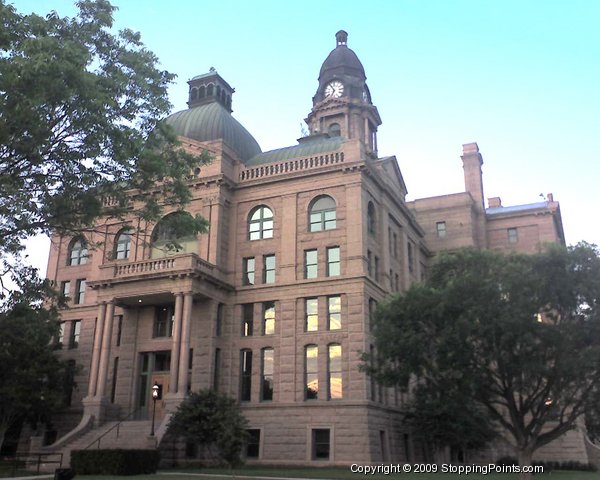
(334, 371)
(310, 264)
(369, 263)
(266, 383)
(391, 277)
(219, 320)
(75, 331)
(245, 375)
(268, 326)
(253, 443)
(411, 258)
(119, 320)
(334, 312)
(65, 288)
(440, 228)
(376, 268)
(395, 246)
(163, 321)
(311, 314)
(60, 338)
(269, 269)
(113, 386)
(333, 261)
(320, 444)
(248, 267)
(216, 370)
(80, 293)
(513, 235)
(247, 319)
(311, 372)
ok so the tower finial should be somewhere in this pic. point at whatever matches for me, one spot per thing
(341, 38)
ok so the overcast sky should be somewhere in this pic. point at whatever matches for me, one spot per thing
(520, 78)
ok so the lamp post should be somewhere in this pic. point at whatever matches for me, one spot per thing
(155, 393)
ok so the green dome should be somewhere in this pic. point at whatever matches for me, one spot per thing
(212, 121)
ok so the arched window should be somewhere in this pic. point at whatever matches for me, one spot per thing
(172, 235)
(371, 220)
(202, 92)
(123, 244)
(78, 252)
(210, 90)
(322, 214)
(334, 130)
(194, 94)
(260, 223)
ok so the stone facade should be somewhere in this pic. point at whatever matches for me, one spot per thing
(272, 305)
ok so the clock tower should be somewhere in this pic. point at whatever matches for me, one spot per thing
(342, 105)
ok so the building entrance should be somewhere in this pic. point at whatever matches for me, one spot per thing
(155, 370)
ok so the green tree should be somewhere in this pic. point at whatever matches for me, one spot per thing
(213, 421)
(515, 336)
(80, 111)
(32, 378)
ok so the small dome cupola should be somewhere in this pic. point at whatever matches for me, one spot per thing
(209, 116)
(209, 87)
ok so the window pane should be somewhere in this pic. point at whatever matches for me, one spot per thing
(269, 318)
(248, 271)
(335, 371)
(247, 319)
(333, 262)
(312, 315)
(245, 375)
(310, 261)
(269, 269)
(321, 444)
(253, 443)
(334, 310)
(267, 374)
(312, 372)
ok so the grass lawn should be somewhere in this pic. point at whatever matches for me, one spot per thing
(337, 473)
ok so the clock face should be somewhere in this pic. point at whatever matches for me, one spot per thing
(334, 89)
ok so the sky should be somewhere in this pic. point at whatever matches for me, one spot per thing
(521, 78)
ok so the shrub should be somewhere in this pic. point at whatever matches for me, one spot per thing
(114, 462)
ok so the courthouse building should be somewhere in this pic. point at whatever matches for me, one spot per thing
(272, 305)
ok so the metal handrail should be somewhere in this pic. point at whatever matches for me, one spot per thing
(35, 458)
(117, 426)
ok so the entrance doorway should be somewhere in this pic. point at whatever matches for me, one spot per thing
(155, 370)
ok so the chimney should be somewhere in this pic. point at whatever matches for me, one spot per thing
(494, 202)
(550, 197)
(472, 162)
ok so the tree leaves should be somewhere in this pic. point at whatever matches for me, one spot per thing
(516, 335)
(211, 419)
(80, 111)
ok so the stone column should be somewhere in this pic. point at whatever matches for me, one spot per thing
(176, 344)
(96, 350)
(184, 353)
(105, 351)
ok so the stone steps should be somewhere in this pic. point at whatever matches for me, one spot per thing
(129, 434)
